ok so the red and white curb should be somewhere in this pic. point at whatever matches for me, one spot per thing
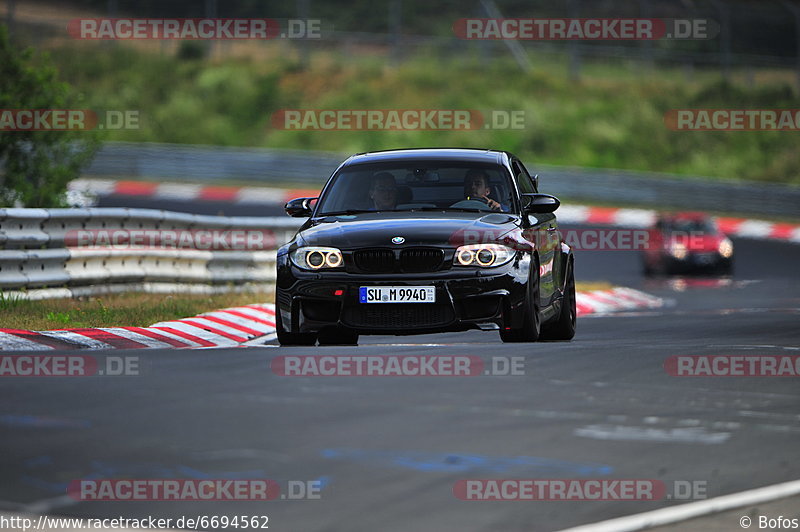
(614, 300)
(642, 218)
(222, 328)
(189, 192)
(232, 327)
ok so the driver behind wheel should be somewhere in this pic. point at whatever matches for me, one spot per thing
(476, 187)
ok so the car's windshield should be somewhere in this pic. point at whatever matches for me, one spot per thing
(691, 226)
(418, 186)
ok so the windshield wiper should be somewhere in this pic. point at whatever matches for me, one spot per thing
(458, 209)
(348, 211)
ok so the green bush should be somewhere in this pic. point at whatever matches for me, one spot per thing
(35, 166)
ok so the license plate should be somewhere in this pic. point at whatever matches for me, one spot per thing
(397, 294)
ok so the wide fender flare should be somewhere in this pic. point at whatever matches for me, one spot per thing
(567, 259)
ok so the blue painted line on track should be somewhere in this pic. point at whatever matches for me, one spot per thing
(459, 463)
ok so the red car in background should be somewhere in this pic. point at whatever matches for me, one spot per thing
(687, 243)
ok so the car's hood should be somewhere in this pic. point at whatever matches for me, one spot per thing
(416, 229)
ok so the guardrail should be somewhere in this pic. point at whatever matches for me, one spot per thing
(41, 255)
(211, 164)
(197, 163)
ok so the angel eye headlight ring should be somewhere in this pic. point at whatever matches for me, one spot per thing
(333, 259)
(465, 257)
(316, 259)
(485, 256)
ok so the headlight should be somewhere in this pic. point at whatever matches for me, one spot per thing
(726, 248)
(317, 258)
(678, 250)
(483, 255)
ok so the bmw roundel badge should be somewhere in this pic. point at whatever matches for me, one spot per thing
(398, 240)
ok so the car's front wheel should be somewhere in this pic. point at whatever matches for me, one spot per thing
(647, 269)
(286, 338)
(531, 323)
(564, 326)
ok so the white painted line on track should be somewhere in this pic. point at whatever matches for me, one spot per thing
(683, 512)
(674, 435)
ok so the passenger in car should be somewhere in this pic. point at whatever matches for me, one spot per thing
(383, 192)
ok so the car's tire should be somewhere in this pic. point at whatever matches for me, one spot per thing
(531, 322)
(647, 270)
(285, 338)
(338, 336)
(564, 327)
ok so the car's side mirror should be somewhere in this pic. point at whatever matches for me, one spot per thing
(299, 207)
(539, 203)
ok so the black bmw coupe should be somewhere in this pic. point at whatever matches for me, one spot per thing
(422, 241)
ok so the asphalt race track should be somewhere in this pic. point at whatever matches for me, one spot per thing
(387, 451)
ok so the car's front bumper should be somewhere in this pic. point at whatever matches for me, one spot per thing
(697, 262)
(465, 299)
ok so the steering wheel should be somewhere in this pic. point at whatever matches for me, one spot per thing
(471, 203)
(482, 199)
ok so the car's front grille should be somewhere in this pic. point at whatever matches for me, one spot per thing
(398, 316)
(374, 260)
(411, 260)
(416, 260)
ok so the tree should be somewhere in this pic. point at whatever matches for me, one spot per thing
(36, 166)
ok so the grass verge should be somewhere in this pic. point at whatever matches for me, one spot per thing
(118, 310)
(591, 286)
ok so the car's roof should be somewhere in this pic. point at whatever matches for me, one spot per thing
(433, 154)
